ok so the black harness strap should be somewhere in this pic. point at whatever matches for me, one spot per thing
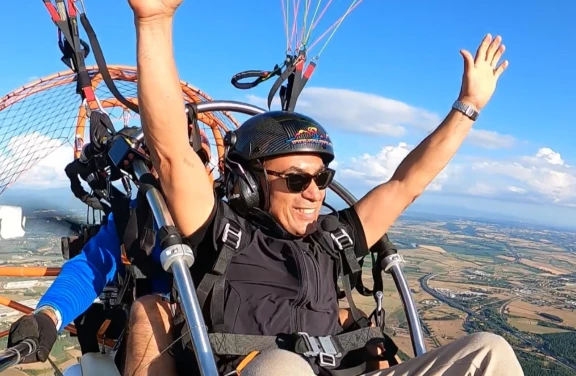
(301, 343)
(139, 238)
(288, 74)
(231, 243)
(325, 353)
(71, 47)
(349, 266)
(101, 62)
(296, 79)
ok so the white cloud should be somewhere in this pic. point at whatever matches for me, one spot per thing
(379, 168)
(35, 160)
(542, 178)
(359, 112)
(481, 189)
(376, 115)
(549, 156)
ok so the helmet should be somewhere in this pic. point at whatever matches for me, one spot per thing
(262, 136)
(279, 133)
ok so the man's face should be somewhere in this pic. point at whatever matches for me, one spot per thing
(296, 212)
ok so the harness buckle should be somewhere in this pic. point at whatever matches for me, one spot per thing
(321, 347)
(342, 239)
(231, 237)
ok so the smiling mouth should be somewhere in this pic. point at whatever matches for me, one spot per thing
(306, 211)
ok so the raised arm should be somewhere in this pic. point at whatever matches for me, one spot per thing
(184, 180)
(380, 208)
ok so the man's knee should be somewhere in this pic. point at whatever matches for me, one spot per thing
(150, 310)
(278, 363)
(492, 353)
(491, 341)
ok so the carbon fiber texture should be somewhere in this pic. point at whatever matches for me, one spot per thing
(279, 133)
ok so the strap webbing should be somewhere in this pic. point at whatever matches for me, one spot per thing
(65, 18)
(243, 344)
(296, 79)
(102, 66)
(229, 245)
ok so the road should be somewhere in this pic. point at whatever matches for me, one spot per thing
(424, 284)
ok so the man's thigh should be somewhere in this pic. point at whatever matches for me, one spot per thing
(150, 337)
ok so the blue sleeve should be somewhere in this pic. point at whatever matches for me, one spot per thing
(84, 277)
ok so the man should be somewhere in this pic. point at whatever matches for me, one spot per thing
(83, 278)
(280, 280)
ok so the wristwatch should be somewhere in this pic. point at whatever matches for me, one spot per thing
(466, 110)
(55, 311)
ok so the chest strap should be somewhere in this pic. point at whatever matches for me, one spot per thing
(230, 244)
(345, 245)
(348, 269)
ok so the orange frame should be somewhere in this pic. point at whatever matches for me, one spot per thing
(118, 73)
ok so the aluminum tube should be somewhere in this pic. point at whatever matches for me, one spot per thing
(178, 259)
(418, 344)
(157, 203)
(414, 326)
(194, 318)
(232, 106)
(14, 355)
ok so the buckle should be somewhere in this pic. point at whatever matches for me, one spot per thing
(340, 237)
(321, 347)
(236, 236)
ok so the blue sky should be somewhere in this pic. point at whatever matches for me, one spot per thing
(388, 76)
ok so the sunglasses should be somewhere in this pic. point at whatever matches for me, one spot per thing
(298, 182)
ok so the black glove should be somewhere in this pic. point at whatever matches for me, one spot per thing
(93, 202)
(39, 328)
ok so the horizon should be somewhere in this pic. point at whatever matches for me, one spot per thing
(418, 210)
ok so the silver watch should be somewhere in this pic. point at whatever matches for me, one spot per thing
(466, 110)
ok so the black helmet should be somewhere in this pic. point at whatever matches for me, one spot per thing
(278, 133)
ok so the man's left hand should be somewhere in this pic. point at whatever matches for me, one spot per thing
(482, 72)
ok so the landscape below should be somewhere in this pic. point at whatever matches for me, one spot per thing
(466, 275)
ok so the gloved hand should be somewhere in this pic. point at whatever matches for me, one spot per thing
(38, 327)
(93, 202)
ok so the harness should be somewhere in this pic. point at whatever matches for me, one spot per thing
(337, 355)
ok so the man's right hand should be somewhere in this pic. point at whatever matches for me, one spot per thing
(150, 9)
(39, 328)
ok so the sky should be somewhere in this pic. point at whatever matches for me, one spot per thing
(386, 79)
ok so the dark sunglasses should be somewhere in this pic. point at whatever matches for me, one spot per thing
(298, 182)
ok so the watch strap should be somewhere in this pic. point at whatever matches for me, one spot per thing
(466, 109)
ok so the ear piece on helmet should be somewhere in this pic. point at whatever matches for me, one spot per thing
(243, 189)
(230, 139)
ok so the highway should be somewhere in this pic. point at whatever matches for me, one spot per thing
(424, 284)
